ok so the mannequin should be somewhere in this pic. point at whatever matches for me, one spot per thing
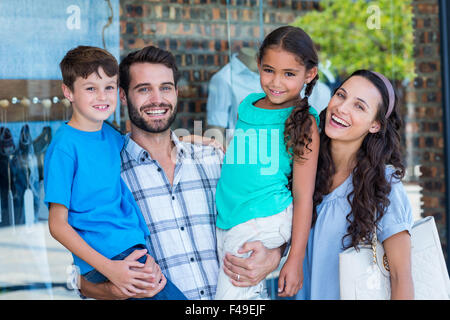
(227, 88)
(248, 57)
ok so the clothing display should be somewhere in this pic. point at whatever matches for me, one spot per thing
(7, 188)
(25, 175)
(226, 90)
(21, 167)
(40, 145)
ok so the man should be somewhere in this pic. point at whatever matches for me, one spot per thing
(174, 185)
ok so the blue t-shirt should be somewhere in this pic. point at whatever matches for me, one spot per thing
(82, 172)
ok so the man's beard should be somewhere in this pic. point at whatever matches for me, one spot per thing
(139, 121)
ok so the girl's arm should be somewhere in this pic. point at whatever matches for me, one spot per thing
(304, 176)
(203, 141)
(119, 272)
(398, 253)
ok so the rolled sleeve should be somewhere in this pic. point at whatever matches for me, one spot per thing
(398, 216)
(393, 229)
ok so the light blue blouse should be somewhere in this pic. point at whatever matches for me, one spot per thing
(321, 264)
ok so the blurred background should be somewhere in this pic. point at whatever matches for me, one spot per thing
(214, 42)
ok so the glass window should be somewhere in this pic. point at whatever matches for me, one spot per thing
(35, 37)
(215, 43)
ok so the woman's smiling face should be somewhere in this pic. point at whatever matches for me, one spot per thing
(352, 110)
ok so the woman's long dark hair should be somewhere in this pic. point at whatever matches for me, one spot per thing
(369, 198)
(297, 130)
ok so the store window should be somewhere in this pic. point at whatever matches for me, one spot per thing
(35, 36)
(215, 44)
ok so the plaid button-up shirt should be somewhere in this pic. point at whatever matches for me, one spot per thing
(181, 217)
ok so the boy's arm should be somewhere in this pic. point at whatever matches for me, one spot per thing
(119, 272)
(304, 175)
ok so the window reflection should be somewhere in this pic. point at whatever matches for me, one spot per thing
(215, 44)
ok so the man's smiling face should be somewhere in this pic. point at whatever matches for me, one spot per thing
(152, 97)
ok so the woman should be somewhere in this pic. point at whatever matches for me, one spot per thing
(358, 186)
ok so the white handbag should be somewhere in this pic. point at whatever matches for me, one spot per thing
(364, 274)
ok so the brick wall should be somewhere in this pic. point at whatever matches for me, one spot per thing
(425, 119)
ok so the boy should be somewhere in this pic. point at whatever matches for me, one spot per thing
(91, 210)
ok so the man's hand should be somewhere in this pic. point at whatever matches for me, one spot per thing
(253, 269)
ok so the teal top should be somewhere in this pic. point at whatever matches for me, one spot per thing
(256, 167)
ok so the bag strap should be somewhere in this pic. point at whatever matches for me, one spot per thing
(374, 245)
(374, 251)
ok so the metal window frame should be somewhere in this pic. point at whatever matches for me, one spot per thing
(444, 16)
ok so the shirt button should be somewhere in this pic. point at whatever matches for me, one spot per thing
(182, 228)
(173, 197)
(159, 169)
(202, 292)
(192, 259)
(143, 159)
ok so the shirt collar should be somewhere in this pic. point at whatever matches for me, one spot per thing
(341, 191)
(140, 155)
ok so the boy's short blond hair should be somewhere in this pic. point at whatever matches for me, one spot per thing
(82, 61)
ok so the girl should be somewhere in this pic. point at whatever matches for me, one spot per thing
(358, 186)
(253, 198)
